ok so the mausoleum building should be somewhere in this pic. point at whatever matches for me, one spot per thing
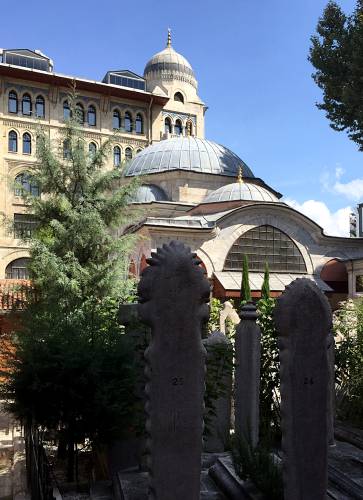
(192, 189)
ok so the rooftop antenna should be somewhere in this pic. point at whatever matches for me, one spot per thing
(169, 38)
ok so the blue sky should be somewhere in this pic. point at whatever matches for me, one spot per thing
(250, 59)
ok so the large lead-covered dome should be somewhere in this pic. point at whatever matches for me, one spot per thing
(187, 153)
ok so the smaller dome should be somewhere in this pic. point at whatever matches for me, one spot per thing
(167, 63)
(237, 191)
(148, 193)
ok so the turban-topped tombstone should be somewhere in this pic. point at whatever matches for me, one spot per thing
(173, 296)
(303, 320)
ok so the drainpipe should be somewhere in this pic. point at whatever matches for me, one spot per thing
(150, 121)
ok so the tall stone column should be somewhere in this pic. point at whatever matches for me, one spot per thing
(173, 294)
(247, 375)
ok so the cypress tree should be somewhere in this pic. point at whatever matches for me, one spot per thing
(245, 286)
(265, 290)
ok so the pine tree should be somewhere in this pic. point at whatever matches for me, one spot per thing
(337, 53)
(245, 286)
(265, 290)
(72, 370)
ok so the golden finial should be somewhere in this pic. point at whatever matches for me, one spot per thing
(169, 38)
(239, 177)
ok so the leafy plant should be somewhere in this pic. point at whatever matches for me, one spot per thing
(336, 54)
(265, 290)
(215, 308)
(259, 466)
(72, 371)
(348, 330)
(269, 372)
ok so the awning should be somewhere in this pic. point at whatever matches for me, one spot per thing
(278, 281)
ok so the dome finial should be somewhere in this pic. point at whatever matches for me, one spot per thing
(239, 177)
(169, 38)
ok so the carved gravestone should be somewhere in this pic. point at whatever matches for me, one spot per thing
(303, 320)
(173, 293)
(247, 376)
(218, 392)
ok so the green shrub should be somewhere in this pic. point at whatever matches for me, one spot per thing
(348, 331)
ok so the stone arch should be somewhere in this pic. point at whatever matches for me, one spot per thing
(207, 261)
(10, 257)
(231, 229)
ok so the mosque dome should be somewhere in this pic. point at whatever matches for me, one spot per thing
(187, 153)
(148, 193)
(169, 64)
(240, 191)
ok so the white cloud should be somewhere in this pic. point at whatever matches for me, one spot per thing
(352, 190)
(333, 223)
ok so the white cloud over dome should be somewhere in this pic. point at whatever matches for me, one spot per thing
(333, 223)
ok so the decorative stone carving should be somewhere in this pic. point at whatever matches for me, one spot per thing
(219, 376)
(173, 294)
(247, 376)
(303, 320)
(228, 312)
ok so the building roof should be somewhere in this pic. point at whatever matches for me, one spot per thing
(188, 153)
(58, 79)
(278, 281)
(240, 191)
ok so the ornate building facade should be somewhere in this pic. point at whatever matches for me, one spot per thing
(193, 189)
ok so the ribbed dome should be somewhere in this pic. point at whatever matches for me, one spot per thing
(169, 63)
(240, 191)
(187, 153)
(148, 193)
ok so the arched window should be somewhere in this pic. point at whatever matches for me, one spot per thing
(13, 102)
(66, 111)
(116, 119)
(178, 128)
(91, 116)
(138, 151)
(128, 122)
(116, 156)
(139, 125)
(26, 105)
(25, 182)
(17, 269)
(178, 96)
(80, 113)
(39, 107)
(189, 128)
(265, 244)
(27, 144)
(13, 141)
(128, 154)
(66, 150)
(167, 126)
(92, 148)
